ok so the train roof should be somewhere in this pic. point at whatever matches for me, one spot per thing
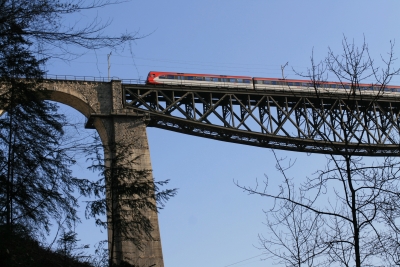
(326, 82)
(199, 74)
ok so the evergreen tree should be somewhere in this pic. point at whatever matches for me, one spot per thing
(35, 181)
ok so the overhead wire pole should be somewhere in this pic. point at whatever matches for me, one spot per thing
(283, 68)
(109, 66)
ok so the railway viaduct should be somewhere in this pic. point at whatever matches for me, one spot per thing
(282, 119)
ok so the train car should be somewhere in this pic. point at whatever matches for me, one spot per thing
(331, 87)
(297, 85)
(257, 83)
(206, 80)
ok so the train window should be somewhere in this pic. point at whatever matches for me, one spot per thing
(239, 80)
(257, 82)
(170, 76)
(215, 79)
(346, 86)
(246, 81)
(297, 84)
(333, 86)
(232, 80)
(208, 79)
(266, 82)
(198, 78)
(273, 82)
(162, 77)
(189, 78)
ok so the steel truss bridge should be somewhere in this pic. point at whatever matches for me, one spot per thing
(286, 119)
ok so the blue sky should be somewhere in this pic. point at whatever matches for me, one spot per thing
(211, 222)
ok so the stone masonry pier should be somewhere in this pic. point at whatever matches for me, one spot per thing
(102, 104)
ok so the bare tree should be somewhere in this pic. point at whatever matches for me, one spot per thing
(293, 237)
(354, 204)
(346, 216)
(45, 26)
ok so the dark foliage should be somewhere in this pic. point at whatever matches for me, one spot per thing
(35, 180)
(36, 185)
(19, 249)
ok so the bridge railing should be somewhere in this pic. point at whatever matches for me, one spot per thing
(91, 79)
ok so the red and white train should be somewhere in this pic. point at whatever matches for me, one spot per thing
(246, 82)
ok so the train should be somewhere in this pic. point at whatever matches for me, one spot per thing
(256, 83)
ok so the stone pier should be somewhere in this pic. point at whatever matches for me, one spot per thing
(102, 104)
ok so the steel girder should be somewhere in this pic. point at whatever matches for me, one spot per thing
(308, 122)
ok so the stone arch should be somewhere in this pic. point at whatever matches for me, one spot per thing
(89, 98)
